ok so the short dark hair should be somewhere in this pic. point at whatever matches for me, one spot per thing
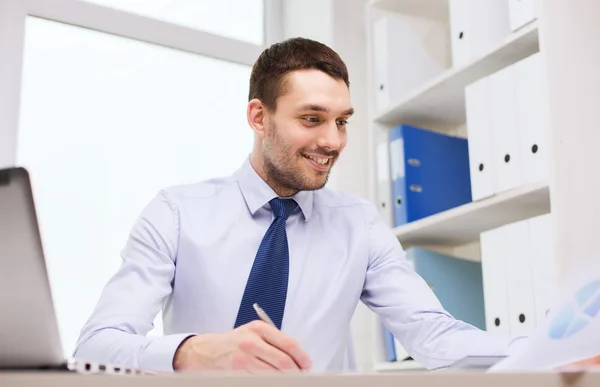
(267, 81)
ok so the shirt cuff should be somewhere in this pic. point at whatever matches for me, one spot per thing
(158, 355)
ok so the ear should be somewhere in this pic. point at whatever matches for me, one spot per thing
(256, 117)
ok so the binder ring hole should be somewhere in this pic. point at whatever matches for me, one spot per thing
(414, 162)
(480, 167)
(506, 158)
(497, 322)
(383, 204)
(399, 201)
(381, 87)
(461, 35)
(522, 318)
(534, 148)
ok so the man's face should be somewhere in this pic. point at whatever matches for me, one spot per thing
(307, 132)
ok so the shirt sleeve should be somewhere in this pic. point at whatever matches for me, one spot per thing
(412, 312)
(116, 331)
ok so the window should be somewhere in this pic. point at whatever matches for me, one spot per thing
(105, 123)
(237, 19)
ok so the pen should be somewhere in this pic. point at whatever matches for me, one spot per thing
(265, 317)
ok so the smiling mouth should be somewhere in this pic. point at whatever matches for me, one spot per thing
(319, 160)
(319, 163)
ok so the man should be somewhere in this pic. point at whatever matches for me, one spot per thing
(271, 234)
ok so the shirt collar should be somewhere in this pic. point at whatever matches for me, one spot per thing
(257, 193)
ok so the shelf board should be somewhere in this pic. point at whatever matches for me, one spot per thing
(430, 9)
(463, 224)
(440, 103)
(408, 365)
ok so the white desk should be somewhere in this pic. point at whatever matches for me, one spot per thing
(14, 379)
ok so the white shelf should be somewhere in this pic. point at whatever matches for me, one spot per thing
(429, 9)
(463, 224)
(440, 103)
(408, 365)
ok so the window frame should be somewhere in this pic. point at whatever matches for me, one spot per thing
(13, 14)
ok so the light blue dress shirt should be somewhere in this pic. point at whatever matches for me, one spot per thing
(191, 251)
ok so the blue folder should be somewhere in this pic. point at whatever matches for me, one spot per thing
(457, 283)
(430, 172)
(389, 344)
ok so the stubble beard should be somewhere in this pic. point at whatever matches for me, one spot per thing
(281, 170)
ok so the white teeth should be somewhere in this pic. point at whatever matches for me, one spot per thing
(320, 161)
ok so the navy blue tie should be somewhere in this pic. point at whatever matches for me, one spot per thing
(268, 280)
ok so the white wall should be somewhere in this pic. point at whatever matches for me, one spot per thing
(10, 78)
(341, 25)
(309, 19)
(568, 37)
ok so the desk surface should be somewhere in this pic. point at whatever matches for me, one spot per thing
(51, 379)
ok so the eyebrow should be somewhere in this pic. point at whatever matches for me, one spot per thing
(318, 108)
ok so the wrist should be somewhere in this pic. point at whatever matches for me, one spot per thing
(181, 354)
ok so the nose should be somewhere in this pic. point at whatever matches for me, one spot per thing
(329, 137)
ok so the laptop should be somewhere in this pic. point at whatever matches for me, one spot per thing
(29, 335)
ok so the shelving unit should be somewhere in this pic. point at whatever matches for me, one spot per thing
(441, 102)
(463, 224)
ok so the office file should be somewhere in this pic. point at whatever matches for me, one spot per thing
(532, 117)
(403, 60)
(457, 283)
(476, 28)
(401, 352)
(570, 333)
(519, 275)
(490, 25)
(495, 285)
(388, 344)
(384, 186)
(479, 131)
(460, 32)
(521, 13)
(506, 149)
(430, 172)
(544, 264)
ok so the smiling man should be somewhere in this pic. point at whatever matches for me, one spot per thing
(271, 234)
(299, 135)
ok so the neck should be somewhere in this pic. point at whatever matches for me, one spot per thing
(259, 167)
(282, 192)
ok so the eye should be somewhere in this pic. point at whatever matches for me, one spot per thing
(312, 120)
(342, 122)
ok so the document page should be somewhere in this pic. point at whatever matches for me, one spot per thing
(571, 331)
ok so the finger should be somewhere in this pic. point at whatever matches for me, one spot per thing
(247, 361)
(284, 343)
(256, 365)
(274, 356)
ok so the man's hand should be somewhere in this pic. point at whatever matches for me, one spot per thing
(256, 346)
(582, 364)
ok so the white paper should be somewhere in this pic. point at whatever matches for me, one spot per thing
(397, 158)
(383, 163)
(571, 332)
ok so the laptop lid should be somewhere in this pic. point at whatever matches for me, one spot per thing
(29, 335)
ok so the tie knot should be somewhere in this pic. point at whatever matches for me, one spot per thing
(282, 208)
